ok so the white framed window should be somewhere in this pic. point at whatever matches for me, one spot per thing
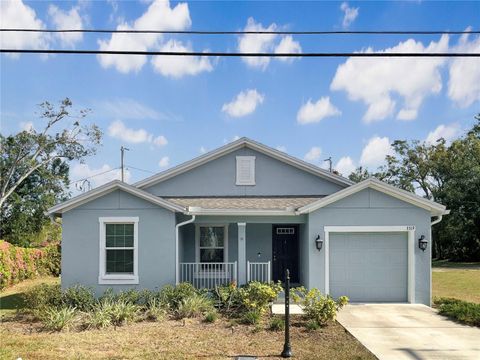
(211, 243)
(118, 260)
(245, 170)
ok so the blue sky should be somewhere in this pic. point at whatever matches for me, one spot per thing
(167, 111)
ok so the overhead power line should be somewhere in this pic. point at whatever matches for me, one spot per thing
(242, 32)
(238, 54)
(94, 175)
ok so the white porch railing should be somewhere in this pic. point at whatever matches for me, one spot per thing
(258, 271)
(208, 275)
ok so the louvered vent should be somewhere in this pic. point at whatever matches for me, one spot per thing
(245, 170)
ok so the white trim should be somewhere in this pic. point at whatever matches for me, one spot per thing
(409, 229)
(235, 145)
(197, 240)
(117, 279)
(177, 251)
(251, 164)
(194, 210)
(108, 188)
(414, 199)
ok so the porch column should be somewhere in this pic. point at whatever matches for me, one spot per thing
(242, 254)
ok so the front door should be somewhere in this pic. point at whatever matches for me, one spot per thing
(285, 252)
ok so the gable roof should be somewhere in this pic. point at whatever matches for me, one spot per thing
(108, 188)
(373, 183)
(235, 145)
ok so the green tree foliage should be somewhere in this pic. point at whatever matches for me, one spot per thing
(449, 174)
(34, 169)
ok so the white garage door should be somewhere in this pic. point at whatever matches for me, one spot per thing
(369, 267)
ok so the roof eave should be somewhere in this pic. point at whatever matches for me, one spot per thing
(240, 212)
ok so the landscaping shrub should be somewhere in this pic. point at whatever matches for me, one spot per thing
(43, 296)
(98, 318)
(252, 317)
(317, 307)
(462, 311)
(155, 310)
(173, 296)
(79, 297)
(120, 312)
(277, 323)
(211, 316)
(57, 319)
(194, 306)
(17, 263)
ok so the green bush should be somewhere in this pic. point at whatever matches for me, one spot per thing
(57, 319)
(252, 317)
(461, 311)
(79, 297)
(172, 296)
(258, 296)
(98, 318)
(194, 306)
(277, 323)
(43, 296)
(120, 311)
(312, 325)
(155, 310)
(18, 264)
(317, 307)
(211, 316)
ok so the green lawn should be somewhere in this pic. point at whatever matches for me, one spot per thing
(456, 280)
(11, 298)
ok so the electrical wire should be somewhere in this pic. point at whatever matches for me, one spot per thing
(237, 54)
(94, 175)
(244, 32)
(136, 168)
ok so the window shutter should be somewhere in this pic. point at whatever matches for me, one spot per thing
(245, 170)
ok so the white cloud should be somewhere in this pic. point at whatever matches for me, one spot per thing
(448, 132)
(373, 154)
(350, 14)
(97, 177)
(464, 82)
(26, 126)
(118, 130)
(67, 20)
(159, 16)
(282, 148)
(287, 45)
(345, 166)
(164, 162)
(251, 43)
(178, 66)
(244, 103)
(15, 14)
(375, 80)
(313, 154)
(129, 109)
(313, 112)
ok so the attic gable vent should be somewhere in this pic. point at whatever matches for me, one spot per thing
(245, 170)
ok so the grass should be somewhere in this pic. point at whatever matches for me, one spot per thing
(445, 264)
(186, 338)
(458, 283)
(11, 298)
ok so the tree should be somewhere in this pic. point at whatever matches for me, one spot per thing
(34, 166)
(449, 174)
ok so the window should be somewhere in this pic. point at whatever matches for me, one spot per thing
(285, 231)
(118, 250)
(212, 244)
(245, 170)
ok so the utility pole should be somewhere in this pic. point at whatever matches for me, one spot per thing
(122, 154)
(330, 163)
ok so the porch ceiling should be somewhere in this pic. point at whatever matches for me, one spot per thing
(255, 203)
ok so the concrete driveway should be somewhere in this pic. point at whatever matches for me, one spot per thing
(405, 331)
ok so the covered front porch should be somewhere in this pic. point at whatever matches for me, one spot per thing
(219, 249)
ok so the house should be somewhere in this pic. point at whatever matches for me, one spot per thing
(247, 212)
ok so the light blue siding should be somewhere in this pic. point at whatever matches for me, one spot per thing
(218, 177)
(371, 208)
(156, 241)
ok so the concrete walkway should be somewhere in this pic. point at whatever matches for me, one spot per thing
(413, 332)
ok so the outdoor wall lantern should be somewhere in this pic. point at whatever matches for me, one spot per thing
(318, 243)
(422, 243)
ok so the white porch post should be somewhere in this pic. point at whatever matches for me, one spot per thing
(242, 253)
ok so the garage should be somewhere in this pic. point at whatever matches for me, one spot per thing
(369, 266)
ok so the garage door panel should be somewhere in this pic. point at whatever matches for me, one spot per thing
(369, 267)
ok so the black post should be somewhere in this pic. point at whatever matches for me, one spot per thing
(287, 349)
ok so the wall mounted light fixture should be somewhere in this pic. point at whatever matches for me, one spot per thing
(422, 243)
(318, 243)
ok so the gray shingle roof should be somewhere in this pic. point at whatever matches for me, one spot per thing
(264, 203)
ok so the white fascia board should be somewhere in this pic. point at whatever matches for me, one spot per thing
(433, 207)
(239, 212)
(212, 155)
(107, 188)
